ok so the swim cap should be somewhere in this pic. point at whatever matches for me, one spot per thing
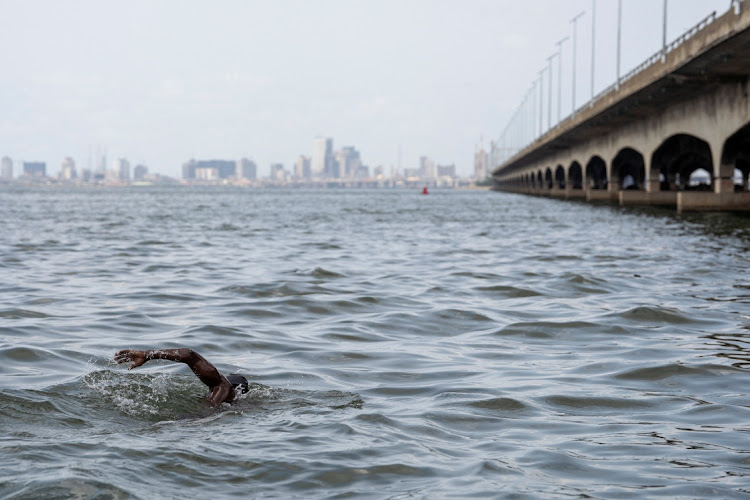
(238, 380)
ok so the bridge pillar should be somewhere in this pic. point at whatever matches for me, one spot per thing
(652, 185)
(724, 182)
(613, 188)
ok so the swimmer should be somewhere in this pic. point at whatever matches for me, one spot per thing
(223, 388)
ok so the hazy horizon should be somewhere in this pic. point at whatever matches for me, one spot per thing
(160, 83)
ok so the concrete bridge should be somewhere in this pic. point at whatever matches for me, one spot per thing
(683, 111)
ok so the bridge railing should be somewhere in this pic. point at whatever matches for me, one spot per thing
(512, 141)
(658, 56)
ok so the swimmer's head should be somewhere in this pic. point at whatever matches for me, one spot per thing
(239, 383)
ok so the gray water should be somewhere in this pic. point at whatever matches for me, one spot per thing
(456, 345)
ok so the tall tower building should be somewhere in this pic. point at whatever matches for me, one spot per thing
(122, 169)
(427, 169)
(277, 172)
(323, 161)
(140, 172)
(481, 160)
(348, 161)
(34, 169)
(6, 168)
(302, 167)
(188, 169)
(68, 169)
(246, 169)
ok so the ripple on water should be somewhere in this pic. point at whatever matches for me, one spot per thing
(22, 314)
(653, 314)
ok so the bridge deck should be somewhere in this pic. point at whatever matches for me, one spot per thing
(717, 53)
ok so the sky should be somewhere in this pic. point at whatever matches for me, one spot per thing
(162, 81)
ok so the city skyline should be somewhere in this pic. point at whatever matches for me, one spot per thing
(324, 163)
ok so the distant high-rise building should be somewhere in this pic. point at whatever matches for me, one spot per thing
(224, 168)
(6, 168)
(140, 172)
(101, 170)
(411, 173)
(277, 172)
(207, 173)
(246, 169)
(481, 161)
(446, 171)
(34, 169)
(68, 169)
(121, 169)
(348, 162)
(302, 168)
(188, 169)
(323, 161)
(427, 168)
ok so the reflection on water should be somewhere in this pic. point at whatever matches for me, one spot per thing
(462, 344)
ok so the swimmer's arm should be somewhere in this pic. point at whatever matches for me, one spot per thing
(205, 371)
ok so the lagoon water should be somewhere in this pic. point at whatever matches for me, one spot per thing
(465, 344)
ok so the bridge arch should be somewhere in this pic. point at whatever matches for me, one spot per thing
(539, 179)
(735, 155)
(560, 177)
(596, 173)
(548, 178)
(675, 160)
(575, 175)
(629, 169)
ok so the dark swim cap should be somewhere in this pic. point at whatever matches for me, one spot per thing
(238, 381)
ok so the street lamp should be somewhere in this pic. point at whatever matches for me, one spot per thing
(549, 90)
(619, 38)
(664, 34)
(575, 22)
(541, 101)
(559, 78)
(593, 43)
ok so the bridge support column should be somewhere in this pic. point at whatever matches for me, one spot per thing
(724, 182)
(652, 185)
(613, 188)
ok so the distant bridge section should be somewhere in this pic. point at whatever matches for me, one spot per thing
(675, 131)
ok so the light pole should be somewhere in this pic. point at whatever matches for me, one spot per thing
(559, 78)
(532, 118)
(664, 33)
(549, 90)
(541, 101)
(593, 43)
(619, 38)
(575, 22)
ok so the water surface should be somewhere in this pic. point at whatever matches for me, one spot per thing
(462, 344)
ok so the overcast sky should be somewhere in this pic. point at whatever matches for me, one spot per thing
(160, 82)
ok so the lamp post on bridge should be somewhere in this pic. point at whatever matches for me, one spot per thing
(541, 101)
(549, 89)
(664, 34)
(619, 38)
(593, 44)
(559, 78)
(575, 22)
(532, 112)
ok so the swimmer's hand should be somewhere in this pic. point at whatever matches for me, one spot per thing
(137, 357)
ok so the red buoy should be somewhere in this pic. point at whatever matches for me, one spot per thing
(424, 190)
